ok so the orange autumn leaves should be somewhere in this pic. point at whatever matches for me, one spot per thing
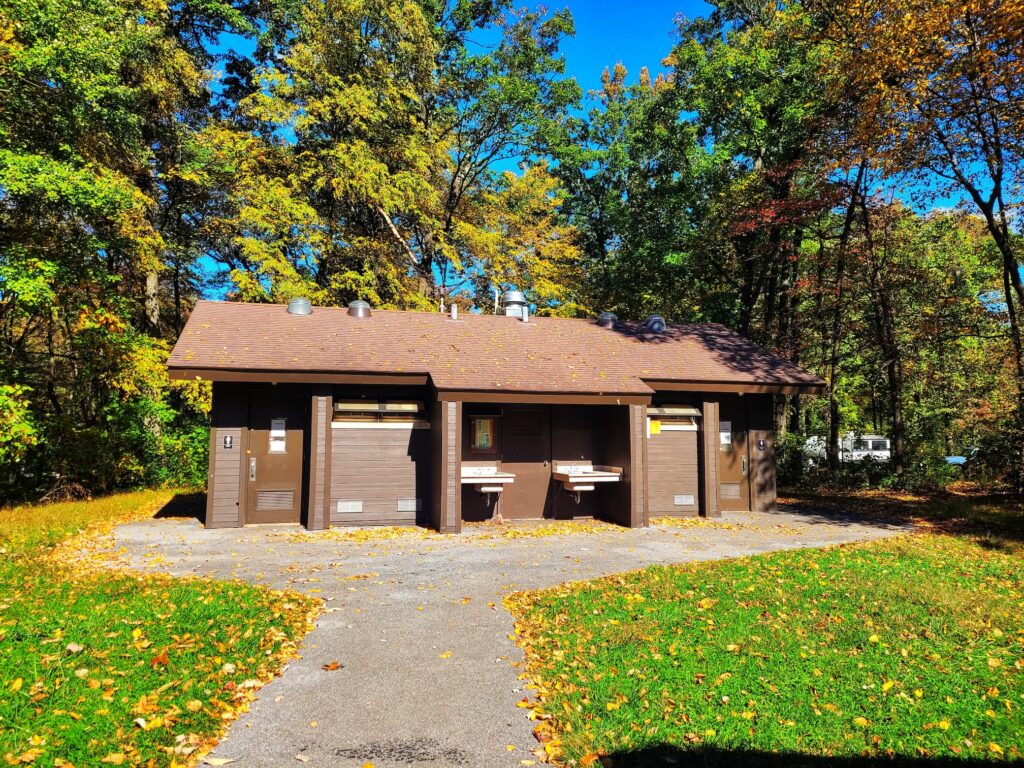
(103, 667)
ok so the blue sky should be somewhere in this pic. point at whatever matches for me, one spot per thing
(638, 35)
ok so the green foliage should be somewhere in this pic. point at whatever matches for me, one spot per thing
(17, 433)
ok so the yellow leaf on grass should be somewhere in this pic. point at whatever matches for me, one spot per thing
(887, 685)
(114, 758)
(194, 706)
(861, 721)
(873, 639)
(16, 684)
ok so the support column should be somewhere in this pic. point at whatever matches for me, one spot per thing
(318, 516)
(446, 429)
(709, 506)
(638, 517)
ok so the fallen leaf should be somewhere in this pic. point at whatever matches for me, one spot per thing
(74, 647)
(330, 666)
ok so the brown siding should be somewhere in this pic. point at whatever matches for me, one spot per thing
(318, 516)
(762, 463)
(709, 459)
(224, 480)
(378, 467)
(638, 515)
(450, 466)
(672, 471)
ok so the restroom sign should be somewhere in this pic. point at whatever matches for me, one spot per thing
(725, 435)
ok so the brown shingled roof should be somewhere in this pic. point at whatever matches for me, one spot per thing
(476, 352)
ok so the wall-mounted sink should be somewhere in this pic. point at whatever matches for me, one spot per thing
(486, 479)
(581, 476)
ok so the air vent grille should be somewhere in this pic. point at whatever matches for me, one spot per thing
(350, 507)
(730, 491)
(683, 500)
(274, 501)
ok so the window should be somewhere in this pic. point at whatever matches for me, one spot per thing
(278, 436)
(879, 445)
(483, 434)
(379, 413)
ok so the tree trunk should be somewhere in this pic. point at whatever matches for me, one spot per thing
(152, 302)
(837, 319)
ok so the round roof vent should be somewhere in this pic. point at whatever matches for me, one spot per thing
(655, 324)
(607, 319)
(359, 308)
(299, 306)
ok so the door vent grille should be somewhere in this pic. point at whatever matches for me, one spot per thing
(274, 501)
(683, 500)
(409, 505)
(731, 491)
(350, 507)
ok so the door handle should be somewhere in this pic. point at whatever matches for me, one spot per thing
(743, 465)
(252, 469)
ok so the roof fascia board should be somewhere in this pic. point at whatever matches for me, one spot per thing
(740, 387)
(296, 377)
(542, 398)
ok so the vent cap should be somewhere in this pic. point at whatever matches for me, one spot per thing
(359, 308)
(655, 324)
(607, 319)
(299, 306)
(513, 302)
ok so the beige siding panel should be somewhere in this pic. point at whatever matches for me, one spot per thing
(672, 471)
(378, 467)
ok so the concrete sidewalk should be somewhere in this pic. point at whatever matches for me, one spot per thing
(429, 675)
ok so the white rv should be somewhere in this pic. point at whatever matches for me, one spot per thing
(852, 448)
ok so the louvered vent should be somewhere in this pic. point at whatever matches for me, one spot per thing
(350, 507)
(409, 505)
(683, 500)
(274, 501)
(730, 491)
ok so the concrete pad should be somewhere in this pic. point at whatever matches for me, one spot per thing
(429, 675)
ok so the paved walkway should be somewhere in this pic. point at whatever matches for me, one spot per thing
(429, 676)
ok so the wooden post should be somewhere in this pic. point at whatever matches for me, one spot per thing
(318, 516)
(446, 426)
(709, 506)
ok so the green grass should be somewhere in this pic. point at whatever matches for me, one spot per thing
(908, 648)
(112, 668)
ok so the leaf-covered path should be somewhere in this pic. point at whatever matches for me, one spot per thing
(411, 662)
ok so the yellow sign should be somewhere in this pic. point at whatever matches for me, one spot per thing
(655, 426)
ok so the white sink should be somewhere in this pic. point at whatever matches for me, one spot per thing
(486, 479)
(582, 477)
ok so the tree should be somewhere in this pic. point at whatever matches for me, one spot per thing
(399, 130)
(937, 91)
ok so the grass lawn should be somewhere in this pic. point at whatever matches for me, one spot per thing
(109, 668)
(910, 648)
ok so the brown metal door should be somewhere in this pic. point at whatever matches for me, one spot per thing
(733, 455)
(526, 452)
(273, 470)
